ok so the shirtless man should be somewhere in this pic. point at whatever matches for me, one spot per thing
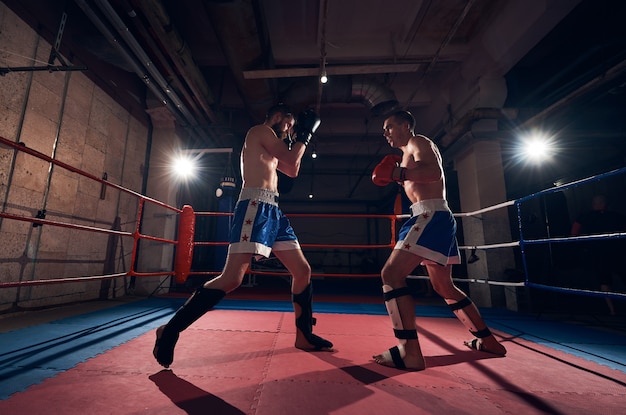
(429, 238)
(259, 227)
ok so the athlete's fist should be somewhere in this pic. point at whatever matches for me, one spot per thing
(388, 170)
(307, 123)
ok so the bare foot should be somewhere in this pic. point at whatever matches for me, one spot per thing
(396, 357)
(313, 344)
(487, 344)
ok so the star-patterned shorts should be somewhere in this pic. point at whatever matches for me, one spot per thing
(259, 226)
(430, 233)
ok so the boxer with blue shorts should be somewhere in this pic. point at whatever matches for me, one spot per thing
(259, 226)
(428, 238)
(430, 233)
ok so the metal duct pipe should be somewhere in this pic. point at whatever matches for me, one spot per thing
(376, 96)
(174, 44)
(236, 28)
(144, 69)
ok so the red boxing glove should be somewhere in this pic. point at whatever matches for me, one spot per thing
(388, 170)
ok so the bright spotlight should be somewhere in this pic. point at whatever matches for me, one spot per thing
(537, 148)
(184, 167)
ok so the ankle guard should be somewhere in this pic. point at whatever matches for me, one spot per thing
(458, 309)
(306, 321)
(390, 295)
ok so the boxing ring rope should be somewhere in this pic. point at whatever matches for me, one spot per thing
(136, 235)
(523, 242)
(185, 242)
(392, 219)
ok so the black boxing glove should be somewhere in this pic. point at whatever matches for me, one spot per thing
(307, 123)
(289, 142)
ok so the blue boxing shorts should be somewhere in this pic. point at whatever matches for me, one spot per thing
(259, 226)
(430, 233)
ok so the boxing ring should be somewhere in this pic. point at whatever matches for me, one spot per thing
(185, 242)
(239, 358)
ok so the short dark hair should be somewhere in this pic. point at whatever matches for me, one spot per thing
(405, 116)
(278, 108)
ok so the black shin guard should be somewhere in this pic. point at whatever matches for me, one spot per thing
(306, 321)
(199, 303)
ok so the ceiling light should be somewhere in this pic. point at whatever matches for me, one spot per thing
(323, 77)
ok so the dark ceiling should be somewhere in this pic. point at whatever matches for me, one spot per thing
(218, 65)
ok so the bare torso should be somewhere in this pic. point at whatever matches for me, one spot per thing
(258, 166)
(264, 154)
(426, 181)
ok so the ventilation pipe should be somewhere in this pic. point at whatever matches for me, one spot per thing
(236, 28)
(138, 62)
(376, 96)
(168, 35)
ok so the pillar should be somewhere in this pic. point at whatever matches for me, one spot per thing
(481, 184)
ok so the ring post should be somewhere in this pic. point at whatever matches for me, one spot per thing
(184, 247)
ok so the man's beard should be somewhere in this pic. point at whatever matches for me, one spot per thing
(279, 133)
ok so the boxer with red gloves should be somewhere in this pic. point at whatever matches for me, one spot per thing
(388, 171)
(428, 237)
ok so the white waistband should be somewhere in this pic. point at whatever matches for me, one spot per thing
(428, 205)
(262, 195)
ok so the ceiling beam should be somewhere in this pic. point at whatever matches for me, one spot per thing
(330, 70)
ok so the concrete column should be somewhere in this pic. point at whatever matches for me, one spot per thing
(481, 184)
(473, 146)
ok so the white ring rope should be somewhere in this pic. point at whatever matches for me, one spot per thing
(476, 212)
(615, 235)
(501, 245)
(487, 209)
